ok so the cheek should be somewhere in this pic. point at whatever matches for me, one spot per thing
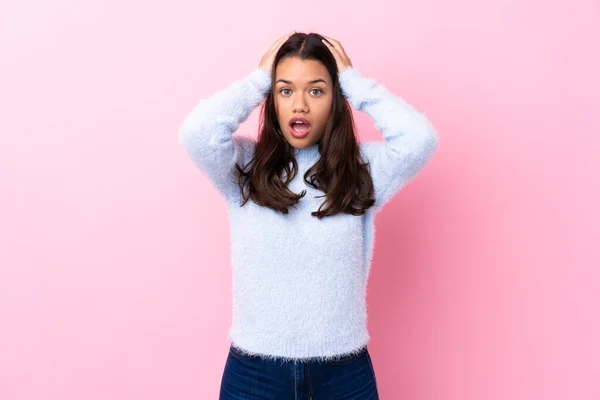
(324, 115)
(278, 106)
(325, 109)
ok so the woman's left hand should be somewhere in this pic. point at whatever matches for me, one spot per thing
(339, 54)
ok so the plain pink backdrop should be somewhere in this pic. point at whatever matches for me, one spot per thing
(114, 248)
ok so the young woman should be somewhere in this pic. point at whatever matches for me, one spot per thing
(302, 200)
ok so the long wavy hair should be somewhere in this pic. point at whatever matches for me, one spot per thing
(339, 173)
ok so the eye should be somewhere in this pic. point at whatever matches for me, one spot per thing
(316, 89)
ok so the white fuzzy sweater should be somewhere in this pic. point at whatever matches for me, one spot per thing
(300, 283)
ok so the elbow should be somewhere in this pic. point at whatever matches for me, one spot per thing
(194, 124)
(184, 137)
(432, 139)
(190, 130)
(183, 134)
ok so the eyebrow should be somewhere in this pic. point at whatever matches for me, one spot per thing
(311, 82)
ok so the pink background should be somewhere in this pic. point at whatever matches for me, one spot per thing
(114, 249)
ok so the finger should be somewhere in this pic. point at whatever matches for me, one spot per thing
(334, 51)
(280, 40)
(286, 36)
(336, 44)
(328, 44)
(331, 40)
(277, 43)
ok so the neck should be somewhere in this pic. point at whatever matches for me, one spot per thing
(309, 153)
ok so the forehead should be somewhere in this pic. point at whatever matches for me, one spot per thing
(300, 71)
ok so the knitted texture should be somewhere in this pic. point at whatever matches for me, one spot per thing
(299, 283)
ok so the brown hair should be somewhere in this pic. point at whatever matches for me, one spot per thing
(339, 173)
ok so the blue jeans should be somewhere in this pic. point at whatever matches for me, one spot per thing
(253, 377)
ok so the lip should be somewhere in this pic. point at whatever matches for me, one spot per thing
(303, 120)
(299, 135)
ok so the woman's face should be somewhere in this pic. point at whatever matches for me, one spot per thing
(303, 89)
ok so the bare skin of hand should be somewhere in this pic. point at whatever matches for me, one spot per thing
(266, 61)
(341, 58)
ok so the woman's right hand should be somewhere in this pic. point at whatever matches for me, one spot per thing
(266, 61)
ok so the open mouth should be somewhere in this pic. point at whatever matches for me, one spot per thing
(299, 129)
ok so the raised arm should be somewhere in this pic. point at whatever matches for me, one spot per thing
(207, 131)
(410, 139)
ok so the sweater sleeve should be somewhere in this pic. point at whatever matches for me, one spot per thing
(207, 131)
(410, 139)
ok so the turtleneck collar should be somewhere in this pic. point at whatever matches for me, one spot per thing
(310, 153)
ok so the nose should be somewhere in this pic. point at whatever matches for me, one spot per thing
(299, 103)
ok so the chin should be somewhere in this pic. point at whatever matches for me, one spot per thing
(300, 143)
